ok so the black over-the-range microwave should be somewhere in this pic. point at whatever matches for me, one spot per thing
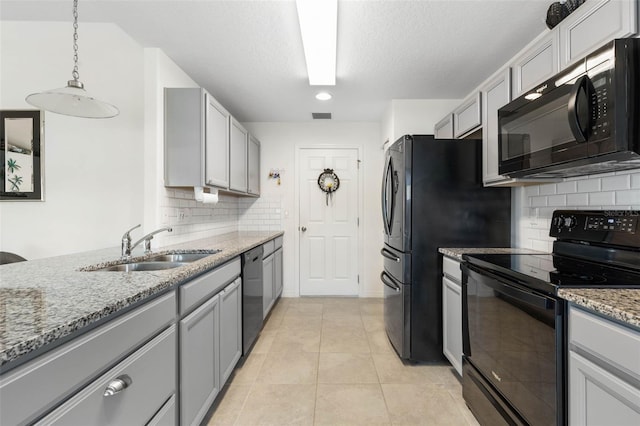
(584, 120)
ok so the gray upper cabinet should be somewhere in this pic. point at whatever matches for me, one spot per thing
(217, 144)
(536, 63)
(495, 94)
(468, 116)
(444, 128)
(196, 146)
(253, 166)
(593, 24)
(238, 157)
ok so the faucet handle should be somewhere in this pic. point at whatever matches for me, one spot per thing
(126, 234)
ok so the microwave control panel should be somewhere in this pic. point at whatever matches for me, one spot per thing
(600, 126)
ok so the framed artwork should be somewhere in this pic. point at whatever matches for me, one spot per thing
(21, 168)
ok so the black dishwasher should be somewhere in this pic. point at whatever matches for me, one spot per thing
(251, 297)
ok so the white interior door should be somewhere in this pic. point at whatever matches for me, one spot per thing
(328, 228)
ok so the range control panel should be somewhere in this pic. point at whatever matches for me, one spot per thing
(606, 226)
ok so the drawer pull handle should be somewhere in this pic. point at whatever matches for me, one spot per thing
(117, 385)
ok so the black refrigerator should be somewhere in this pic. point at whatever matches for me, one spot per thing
(432, 197)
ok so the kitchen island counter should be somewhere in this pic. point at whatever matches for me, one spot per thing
(45, 302)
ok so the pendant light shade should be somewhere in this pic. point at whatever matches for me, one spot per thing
(73, 100)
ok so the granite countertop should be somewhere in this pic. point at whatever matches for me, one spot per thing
(618, 303)
(44, 300)
(457, 253)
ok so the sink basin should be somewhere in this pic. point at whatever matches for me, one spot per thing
(143, 266)
(180, 257)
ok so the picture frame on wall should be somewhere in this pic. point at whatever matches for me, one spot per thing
(21, 165)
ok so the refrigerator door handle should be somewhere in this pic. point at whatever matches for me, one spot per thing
(389, 255)
(388, 197)
(390, 283)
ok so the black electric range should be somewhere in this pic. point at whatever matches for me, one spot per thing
(514, 324)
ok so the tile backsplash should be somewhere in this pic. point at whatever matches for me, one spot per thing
(192, 220)
(619, 191)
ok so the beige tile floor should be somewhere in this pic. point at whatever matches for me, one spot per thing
(327, 361)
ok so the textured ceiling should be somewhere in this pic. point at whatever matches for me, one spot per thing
(249, 54)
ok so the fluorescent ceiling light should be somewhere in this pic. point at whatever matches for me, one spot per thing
(323, 96)
(319, 28)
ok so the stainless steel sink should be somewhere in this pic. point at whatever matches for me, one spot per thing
(180, 257)
(143, 266)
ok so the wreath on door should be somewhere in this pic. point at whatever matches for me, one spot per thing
(329, 183)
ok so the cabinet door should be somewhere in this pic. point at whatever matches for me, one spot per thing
(468, 116)
(216, 144)
(253, 166)
(277, 276)
(267, 285)
(238, 157)
(593, 24)
(452, 322)
(444, 128)
(597, 397)
(230, 329)
(537, 63)
(495, 94)
(199, 362)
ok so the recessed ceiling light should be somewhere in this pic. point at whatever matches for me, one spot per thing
(532, 96)
(319, 29)
(323, 96)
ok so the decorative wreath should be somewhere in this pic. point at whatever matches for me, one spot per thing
(328, 181)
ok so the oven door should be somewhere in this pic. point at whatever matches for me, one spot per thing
(509, 337)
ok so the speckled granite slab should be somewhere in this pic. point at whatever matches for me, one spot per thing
(44, 300)
(457, 253)
(620, 304)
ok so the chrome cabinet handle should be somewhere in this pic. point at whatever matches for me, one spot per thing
(117, 385)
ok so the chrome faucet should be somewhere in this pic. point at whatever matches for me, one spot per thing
(127, 247)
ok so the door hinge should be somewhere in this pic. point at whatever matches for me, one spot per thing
(359, 161)
(358, 220)
(358, 278)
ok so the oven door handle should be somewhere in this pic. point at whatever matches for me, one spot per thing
(522, 295)
(390, 282)
(389, 255)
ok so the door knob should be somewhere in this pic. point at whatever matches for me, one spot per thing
(303, 229)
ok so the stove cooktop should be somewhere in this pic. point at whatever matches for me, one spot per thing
(548, 272)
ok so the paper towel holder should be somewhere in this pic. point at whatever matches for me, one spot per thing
(205, 197)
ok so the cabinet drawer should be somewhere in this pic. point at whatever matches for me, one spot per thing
(55, 375)
(151, 376)
(451, 268)
(269, 247)
(201, 288)
(278, 242)
(605, 339)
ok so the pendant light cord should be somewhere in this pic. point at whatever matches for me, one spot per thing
(75, 73)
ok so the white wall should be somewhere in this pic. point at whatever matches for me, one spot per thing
(534, 205)
(93, 169)
(414, 116)
(279, 142)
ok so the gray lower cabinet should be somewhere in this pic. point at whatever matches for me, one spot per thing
(452, 312)
(268, 297)
(277, 274)
(230, 328)
(166, 416)
(199, 361)
(147, 379)
(73, 371)
(210, 338)
(604, 371)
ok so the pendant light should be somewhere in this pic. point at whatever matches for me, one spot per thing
(73, 100)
